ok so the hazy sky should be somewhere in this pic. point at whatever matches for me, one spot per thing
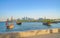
(30, 8)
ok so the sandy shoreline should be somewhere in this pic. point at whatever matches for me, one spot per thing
(17, 35)
(32, 34)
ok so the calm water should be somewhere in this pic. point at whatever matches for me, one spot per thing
(26, 26)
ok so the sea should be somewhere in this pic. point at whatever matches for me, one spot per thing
(27, 26)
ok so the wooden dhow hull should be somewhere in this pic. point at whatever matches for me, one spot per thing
(11, 26)
(18, 23)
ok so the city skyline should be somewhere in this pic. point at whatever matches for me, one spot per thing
(29, 8)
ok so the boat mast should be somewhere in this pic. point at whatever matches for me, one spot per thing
(11, 19)
(7, 22)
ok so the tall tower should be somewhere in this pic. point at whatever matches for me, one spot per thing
(44, 17)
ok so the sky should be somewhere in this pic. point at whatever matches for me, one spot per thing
(29, 8)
